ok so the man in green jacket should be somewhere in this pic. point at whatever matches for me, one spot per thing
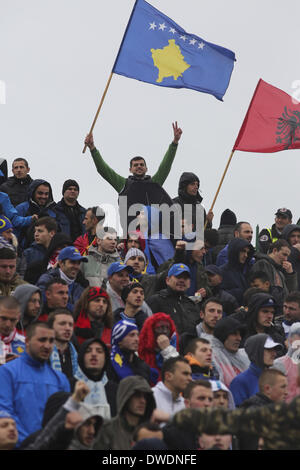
(138, 166)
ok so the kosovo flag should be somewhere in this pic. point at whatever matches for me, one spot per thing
(157, 50)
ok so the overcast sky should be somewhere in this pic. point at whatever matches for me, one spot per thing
(55, 60)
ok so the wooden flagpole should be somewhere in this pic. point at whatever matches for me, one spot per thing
(99, 107)
(221, 182)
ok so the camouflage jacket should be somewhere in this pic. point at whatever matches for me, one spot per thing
(278, 424)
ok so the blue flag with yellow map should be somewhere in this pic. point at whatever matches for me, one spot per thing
(157, 50)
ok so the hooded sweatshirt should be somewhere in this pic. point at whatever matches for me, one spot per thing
(117, 433)
(23, 294)
(87, 412)
(102, 390)
(245, 385)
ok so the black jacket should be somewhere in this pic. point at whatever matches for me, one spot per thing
(17, 189)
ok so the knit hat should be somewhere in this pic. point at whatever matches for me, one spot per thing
(127, 289)
(228, 218)
(69, 183)
(5, 223)
(134, 252)
(120, 330)
(95, 292)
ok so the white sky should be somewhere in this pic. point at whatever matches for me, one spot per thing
(55, 60)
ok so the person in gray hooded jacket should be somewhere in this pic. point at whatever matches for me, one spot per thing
(135, 404)
(30, 300)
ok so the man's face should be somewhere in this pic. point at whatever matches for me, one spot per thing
(57, 296)
(108, 244)
(41, 195)
(212, 314)
(34, 305)
(135, 297)
(7, 269)
(137, 263)
(201, 397)
(222, 441)
(281, 255)
(192, 188)
(278, 392)
(243, 255)
(130, 341)
(203, 354)
(260, 284)
(94, 358)
(294, 237)
(8, 320)
(233, 341)
(265, 317)
(291, 311)
(162, 327)
(214, 279)
(42, 236)
(89, 221)
(63, 326)
(20, 170)
(138, 168)
(8, 433)
(40, 346)
(179, 283)
(281, 221)
(137, 404)
(70, 267)
(71, 194)
(133, 242)
(245, 232)
(197, 254)
(180, 378)
(221, 399)
(87, 431)
(119, 280)
(269, 356)
(97, 308)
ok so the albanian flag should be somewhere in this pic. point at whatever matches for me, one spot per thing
(272, 122)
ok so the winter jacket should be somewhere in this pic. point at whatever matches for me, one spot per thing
(165, 401)
(16, 189)
(139, 318)
(95, 271)
(26, 384)
(118, 182)
(18, 221)
(294, 257)
(266, 237)
(7, 288)
(181, 309)
(234, 273)
(70, 218)
(245, 385)
(117, 434)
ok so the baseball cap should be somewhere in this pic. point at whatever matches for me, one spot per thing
(213, 269)
(269, 302)
(178, 269)
(117, 267)
(72, 253)
(270, 344)
(285, 212)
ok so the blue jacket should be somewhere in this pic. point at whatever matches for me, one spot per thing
(34, 253)
(17, 220)
(26, 385)
(245, 384)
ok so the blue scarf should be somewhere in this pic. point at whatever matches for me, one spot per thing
(55, 359)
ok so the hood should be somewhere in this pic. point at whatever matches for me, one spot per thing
(34, 184)
(254, 347)
(234, 247)
(53, 404)
(185, 179)
(59, 240)
(22, 294)
(81, 353)
(288, 229)
(103, 257)
(255, 303)
(226, 326)
(228, 218)
(89, 411)
(128, 386)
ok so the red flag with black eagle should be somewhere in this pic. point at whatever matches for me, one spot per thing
(272, 122)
